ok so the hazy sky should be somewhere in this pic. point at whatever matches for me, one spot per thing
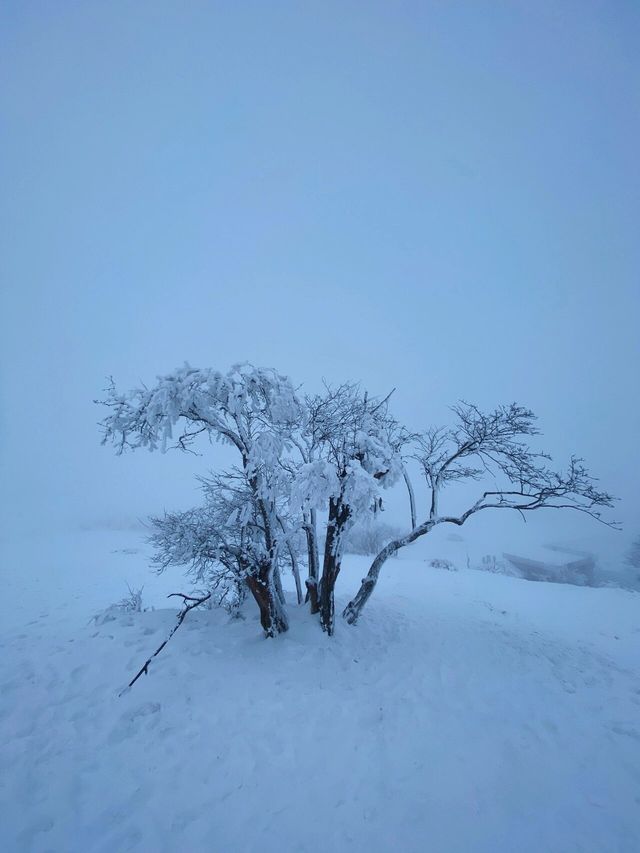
(438, 196)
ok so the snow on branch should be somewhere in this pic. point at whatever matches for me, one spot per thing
(492, 444)
(233, 407)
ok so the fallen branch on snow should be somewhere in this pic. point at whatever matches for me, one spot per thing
(194, 602)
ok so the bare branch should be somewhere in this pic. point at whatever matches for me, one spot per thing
(195, 602)
(495, 442)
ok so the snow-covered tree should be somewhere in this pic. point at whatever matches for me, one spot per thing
(370, 536)
(488, 444)
(252, 409)
(351, 451)
(330, 453)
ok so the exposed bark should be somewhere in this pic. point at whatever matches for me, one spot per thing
(264, 584)
(310, 530)
(272, 615)
(339, 513)
(312, 595)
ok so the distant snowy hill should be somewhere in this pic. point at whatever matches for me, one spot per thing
(468, 712)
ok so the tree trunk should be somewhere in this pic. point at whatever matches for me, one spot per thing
(293, 559)
(277, 582)
(272, 616)
(412, 497)
(312, 595)
(354, 608)
(310, 530)
(339, 514)
(263, 581)
(296, 574)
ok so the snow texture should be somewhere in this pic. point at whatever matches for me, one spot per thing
(468, 711)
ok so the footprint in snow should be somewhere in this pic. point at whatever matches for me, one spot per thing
(77, 672)
(627, 730)
(143, 710)
(130, 722)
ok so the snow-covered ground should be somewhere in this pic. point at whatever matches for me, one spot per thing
(467, 712)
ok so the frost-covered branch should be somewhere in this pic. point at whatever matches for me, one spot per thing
(351, 447)
(253, 409)
(490, 443)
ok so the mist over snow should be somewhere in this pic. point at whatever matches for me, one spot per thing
(434, 200)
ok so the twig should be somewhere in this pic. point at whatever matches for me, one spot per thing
(382, 402)
(195, 602)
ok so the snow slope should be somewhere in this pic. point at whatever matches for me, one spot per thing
(483, 713)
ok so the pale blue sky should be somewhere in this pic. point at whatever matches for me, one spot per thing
(441, 197)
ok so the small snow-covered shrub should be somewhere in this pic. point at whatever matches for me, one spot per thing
(439, 563)
(369, 538)
(131, 603)
(491, 564)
